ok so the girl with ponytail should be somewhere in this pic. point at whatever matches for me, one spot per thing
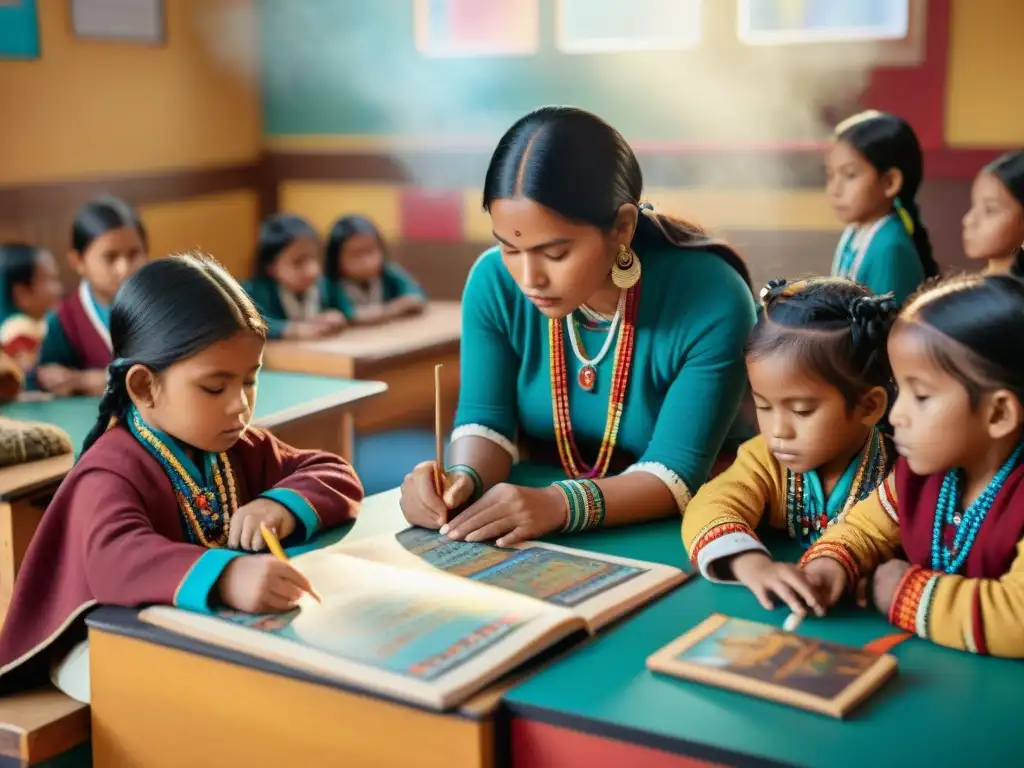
(874, 170)
(820, 377)
(994, 227)
(173, 482)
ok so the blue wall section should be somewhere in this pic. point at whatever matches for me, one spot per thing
(19, 30)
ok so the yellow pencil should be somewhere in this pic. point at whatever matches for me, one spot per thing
(278, 551)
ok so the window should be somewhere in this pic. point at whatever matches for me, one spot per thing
(449, 28)
(782, 22)
(603, 26)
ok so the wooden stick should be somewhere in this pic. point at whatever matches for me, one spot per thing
(438, 439)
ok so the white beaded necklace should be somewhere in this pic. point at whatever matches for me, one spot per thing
(588, 372)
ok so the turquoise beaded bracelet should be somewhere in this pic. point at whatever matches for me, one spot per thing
(585, 504)
(478, 483)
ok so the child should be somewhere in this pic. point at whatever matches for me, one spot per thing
(108, 245)
(994, 227)
(366, 286)
(30, 288)
(874, 170)
(173, 482)
(819, 376)
(288, 287)
(955, 502)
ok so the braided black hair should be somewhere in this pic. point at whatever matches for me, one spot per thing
(168, 311)
(836, 328)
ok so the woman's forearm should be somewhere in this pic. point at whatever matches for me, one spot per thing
(634, 498)
(490, 460)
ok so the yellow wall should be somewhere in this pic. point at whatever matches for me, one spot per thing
(222, 225)
(985, 84)
(92, 108)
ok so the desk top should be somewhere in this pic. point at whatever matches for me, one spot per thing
(944, 707)
(436, 329)
(282, 397)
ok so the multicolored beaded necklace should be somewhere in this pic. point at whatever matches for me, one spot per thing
(206, 512)
(572, 462)
(807, 519)
(953, 533)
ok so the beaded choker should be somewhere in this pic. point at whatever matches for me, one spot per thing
(206, 512)
(953, 533)
(572, 462)
(808, 517)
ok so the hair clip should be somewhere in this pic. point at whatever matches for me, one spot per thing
(908, 223)
(645, 206)
(775, 288)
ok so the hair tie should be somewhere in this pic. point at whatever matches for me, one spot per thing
(908, 223)
(645, 206)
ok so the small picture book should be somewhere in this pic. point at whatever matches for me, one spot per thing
(768, 662)
(420, 618)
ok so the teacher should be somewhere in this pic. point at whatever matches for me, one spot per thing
(605, 339)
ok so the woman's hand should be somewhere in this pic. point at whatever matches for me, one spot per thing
(828, 579)
(765, 577)
(245, 524)
(261, 584)
(510, 514)
(419, 500)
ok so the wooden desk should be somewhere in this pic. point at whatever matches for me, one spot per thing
(599, 707)
(152, 689)
(36, 726)
(25, 491)
(401, 353)
(305, 411)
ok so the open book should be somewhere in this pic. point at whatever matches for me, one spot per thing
(768, 662)
(417, 617)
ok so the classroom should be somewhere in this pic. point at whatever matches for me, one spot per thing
(527, 383)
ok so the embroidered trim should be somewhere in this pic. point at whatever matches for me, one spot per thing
(716, 529)
(837, 551)
(680, 491)
(85, 297)
(861, 247)
(909, 608)
(726, 547)
(885, 496)
(479, 430)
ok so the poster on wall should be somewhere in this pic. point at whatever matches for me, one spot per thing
(19, 29)
(452, 28)
(606, 26)
(781, 22)
(134, 21)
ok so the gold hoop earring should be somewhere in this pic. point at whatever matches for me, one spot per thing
(626, 271)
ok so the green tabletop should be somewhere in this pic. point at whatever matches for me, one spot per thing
(278, 393)
(944, 708)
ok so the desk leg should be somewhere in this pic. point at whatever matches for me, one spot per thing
(18, 523)
(347, 437)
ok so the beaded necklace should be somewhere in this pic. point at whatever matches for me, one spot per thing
(206, 511)
(572, 462)
(805, 521)
(953, 533)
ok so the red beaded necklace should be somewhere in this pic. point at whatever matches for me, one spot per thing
(572, 462)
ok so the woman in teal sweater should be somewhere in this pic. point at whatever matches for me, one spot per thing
(603, 338)
(874, 170)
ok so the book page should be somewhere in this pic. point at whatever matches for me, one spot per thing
(598, 588)
(386, 630)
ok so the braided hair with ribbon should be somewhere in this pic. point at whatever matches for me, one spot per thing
(835, 328)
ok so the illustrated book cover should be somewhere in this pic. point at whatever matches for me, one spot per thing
(766, 661)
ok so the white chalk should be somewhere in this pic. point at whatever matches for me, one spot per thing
(792, 622)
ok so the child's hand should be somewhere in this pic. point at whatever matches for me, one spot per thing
(304, 330)
(245, 524)
(828, 579)
(886, 580)
(764, 577)
(407, 304)
(57, 379)
(261, 584)
(330, 321)
(92, 383)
